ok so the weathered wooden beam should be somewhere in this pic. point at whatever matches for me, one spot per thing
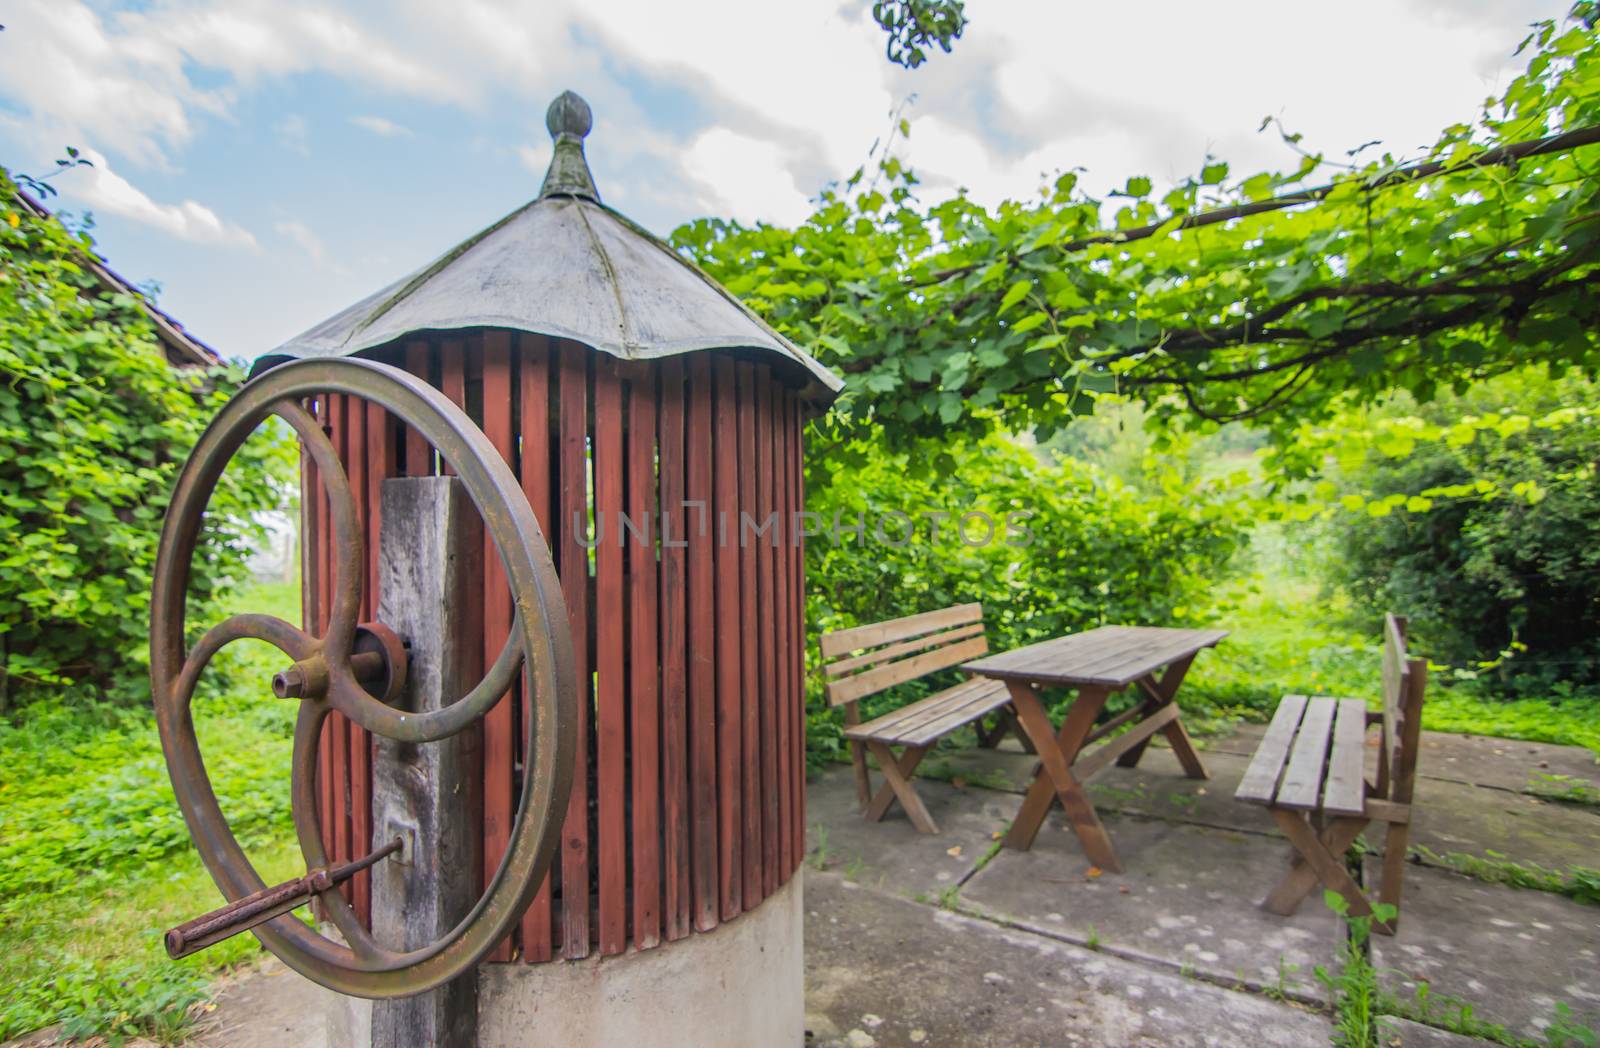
(428, 794)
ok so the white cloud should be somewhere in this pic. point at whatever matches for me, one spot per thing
(379, 126)
(105, 190)
(748, 177)
(292, 132)
(302, 236)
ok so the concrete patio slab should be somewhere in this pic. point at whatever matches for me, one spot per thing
(885, 972)
(1513, 954)
(1403, 1033)
(891, 854)
(1187, 902)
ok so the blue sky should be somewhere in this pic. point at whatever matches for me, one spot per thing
(271, 161)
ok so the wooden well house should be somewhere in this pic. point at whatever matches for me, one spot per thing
(655, 425)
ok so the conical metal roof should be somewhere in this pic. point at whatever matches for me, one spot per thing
(567, 266)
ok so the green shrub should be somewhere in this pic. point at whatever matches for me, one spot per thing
(94, 424)
(1507, 579)
(1080, 549)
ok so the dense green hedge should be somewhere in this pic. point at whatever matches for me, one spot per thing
(1508, 578)
(1085, 550)
(94, 423)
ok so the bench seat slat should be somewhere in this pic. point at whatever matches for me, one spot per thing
(927, 719)
(1302, 779)
(1345, 792)
(1260, 780)
(959, 714)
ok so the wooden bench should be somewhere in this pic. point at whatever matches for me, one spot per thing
(1310, 772)
(869, 659)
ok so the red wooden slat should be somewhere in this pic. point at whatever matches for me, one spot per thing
(380, 466)
(644, 679)
(339, 771)
(533, 406)
(574, 566)
(749, 662)
(730, 739)
(797, 554)
(784, 652)
(452, 380)
(766, 581)
(497, 724)
(419, 456)
(356, 452)
(611, 743)
(702, 649)
(673, 614)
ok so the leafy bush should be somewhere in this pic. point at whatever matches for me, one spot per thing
(1505, 578)
(94, 424)
(1060, 548)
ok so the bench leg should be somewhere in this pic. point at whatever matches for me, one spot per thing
(1328, 868)
(1297, 883)
(1055, 780)
(897, 785)
(1394, 871)
(858, 758)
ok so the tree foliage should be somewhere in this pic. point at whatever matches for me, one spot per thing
(94, 424)
(1292, 301)
(915, 25)
(1048, 549)
(1498, 561)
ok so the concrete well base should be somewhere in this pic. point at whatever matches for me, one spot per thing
(740, 985)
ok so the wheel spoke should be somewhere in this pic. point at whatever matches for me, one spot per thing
(349, 698)
(349, 551)
(291, 640)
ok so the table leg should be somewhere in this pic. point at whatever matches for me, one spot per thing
(1161, 693)
(1055, 780)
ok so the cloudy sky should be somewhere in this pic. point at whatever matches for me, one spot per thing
(268, 162)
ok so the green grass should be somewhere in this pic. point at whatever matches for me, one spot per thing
(95, 862)
(1289, 638)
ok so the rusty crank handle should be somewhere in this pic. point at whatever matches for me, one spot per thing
(260, 907)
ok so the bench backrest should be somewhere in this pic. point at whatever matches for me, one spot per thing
(865, 660)
(1404, 681)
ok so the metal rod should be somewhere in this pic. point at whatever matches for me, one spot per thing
(260, 907)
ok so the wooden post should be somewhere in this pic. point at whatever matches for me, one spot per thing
(428, 793)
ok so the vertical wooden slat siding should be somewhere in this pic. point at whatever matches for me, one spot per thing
(610, 686)
(497, 723)
(702, 648)
(676, 890)
(783, 650)
(356, 454)
(419, 456)
(730, 737)
(340, 770)
(574, 567)
(533, 406)
(749, 659)
(768, 640)
(798, 636)
(690, 805)
(643, 661)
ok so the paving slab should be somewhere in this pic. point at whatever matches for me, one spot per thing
(1188, 901)
(1513, 954)
(266, 1006)
(1403, 1033)
(1452, 816)
(883, 971)
(891, 854)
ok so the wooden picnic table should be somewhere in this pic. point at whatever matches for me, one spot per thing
(1097, 663)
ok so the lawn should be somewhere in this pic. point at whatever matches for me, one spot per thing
(95, 862)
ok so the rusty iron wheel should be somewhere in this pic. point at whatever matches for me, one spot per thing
(328, 681)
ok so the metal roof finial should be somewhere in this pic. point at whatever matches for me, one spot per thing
(569, 120)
